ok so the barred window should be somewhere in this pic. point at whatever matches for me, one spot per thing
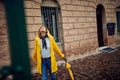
(51, 18)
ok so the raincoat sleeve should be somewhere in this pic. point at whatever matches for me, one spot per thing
(34, 56)
(57, 50)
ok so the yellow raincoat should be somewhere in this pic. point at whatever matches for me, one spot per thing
(37, 53)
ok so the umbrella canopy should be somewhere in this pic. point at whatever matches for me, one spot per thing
(68, 66)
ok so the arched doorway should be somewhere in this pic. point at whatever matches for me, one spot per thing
(118, 19)
(118, 24)
(100, 15)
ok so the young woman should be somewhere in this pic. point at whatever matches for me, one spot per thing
(44, 56)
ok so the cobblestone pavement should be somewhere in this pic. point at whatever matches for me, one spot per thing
(103, 66)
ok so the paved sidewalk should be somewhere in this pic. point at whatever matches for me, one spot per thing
(103, 66)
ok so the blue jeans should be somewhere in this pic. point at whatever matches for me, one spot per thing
(46, 66)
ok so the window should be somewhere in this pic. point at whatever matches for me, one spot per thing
(49, 19)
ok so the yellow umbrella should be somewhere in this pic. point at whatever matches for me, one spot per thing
(68, 66)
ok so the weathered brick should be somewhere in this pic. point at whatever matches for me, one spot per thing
(85, 24)
(64, 19)
(78, 37)
(110, 6)
(66, 13)
(31, 35)
(76, 13)
(36, 12)
(71, 7)
(90, 9)
(73, 31)
(92, 4)
(111, 14)
(38, 1)
(67, 46)
(76, 2)
(4, 45)
(68, 38)
(36, 5)
(84, 3)
(93, 24)
(86, 36)
(85, 14)
(82, 19)
(93, 35)
(63, 7)
(77, 25)
(37, 20)
(28, 4)
(93, 14)
(65, 2)
(29, 20)
(65, 33)
(67, 26)
(74, 44)
(72, 19)
(31, 44)
(81, 31)
(29, 12)
(90, 30)
(33, 28)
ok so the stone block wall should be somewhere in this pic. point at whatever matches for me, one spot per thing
(4, 46)
(79, 26)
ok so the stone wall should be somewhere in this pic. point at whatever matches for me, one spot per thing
(33, 20)
(4, 47)
(79, 25)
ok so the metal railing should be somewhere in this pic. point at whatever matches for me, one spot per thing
(20, 63)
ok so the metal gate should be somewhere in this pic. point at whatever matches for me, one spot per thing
(16, 25)
(49, 19)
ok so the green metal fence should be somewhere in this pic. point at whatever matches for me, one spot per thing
(20, 63)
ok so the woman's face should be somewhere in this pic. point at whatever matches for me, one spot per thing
(43, 31)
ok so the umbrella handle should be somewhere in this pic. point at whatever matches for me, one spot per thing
(65, 60)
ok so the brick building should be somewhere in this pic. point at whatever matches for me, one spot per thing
(79, 26)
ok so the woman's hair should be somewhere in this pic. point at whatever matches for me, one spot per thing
(39, 33)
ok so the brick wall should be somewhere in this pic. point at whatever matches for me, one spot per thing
(78, 25)
(33, 19)
(4, 49)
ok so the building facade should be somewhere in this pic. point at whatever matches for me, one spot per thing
(78, 26)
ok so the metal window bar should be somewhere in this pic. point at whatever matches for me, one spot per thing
(49, 16)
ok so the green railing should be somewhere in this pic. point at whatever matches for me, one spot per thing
(20, 63)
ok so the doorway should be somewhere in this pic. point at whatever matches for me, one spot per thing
(118, 19)
(100, 17)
